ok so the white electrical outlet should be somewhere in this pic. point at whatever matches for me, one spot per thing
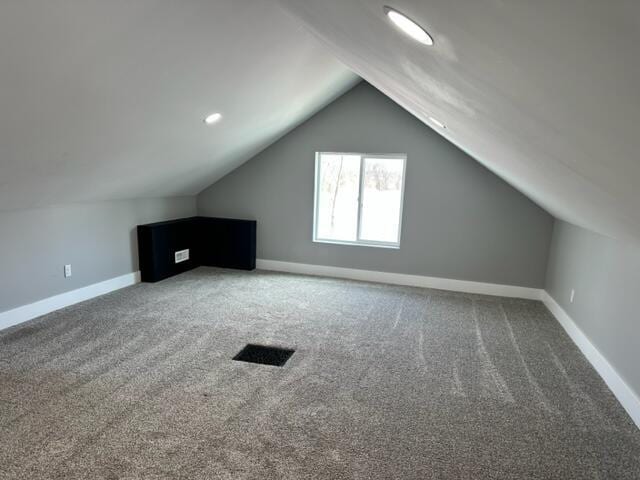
(67, 271)
(573, 294)
(182, 255)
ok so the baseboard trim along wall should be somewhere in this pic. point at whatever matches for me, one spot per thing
(401, 279)
(27, 312)
(625, 395)
(616, 384)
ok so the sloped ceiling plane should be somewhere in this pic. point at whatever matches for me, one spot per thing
(105, 100)
(545, 94)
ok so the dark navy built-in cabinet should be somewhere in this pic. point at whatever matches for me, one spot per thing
(214, 242)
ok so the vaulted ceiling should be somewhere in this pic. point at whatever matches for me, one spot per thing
(104, 99)
(544, 93)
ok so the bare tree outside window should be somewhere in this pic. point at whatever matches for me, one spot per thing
(335, 193)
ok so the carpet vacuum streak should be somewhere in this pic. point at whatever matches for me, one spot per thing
(386, 382)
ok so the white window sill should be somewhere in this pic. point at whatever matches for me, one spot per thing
(358, 244)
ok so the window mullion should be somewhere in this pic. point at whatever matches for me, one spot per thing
(360, 199)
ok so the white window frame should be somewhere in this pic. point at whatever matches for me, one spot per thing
(358, 241)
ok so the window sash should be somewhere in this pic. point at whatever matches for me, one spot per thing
(359, 240)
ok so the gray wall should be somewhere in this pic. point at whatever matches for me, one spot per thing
(97, 239)
(460, 220)
(605, 274)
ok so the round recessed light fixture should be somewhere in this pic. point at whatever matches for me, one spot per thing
(408, 26)
(213, 118)
(437, 122)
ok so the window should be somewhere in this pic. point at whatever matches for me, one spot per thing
(358, 198)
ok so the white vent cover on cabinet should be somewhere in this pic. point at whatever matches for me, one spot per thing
(182, 255)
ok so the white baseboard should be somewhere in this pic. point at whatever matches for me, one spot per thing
(401, 279)
(625, 395)
(48, 305)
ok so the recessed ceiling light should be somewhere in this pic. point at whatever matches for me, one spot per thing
(408, 26)
(213, 118)
(437, 122)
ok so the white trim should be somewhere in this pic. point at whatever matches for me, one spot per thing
(48, 305)
(362, 160)
(316, 179)
(401, 279)
(358, 244)
(360, 199)
(623, 392)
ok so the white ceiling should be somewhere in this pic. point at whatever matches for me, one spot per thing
(104, 99)
(545, 93)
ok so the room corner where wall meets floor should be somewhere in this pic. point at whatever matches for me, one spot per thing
(98, 239)
(386, 381)
(293, 239)
(275, 188)
(459, 220)
(593, 281)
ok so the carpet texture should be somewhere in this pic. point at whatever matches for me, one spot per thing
(386, 382)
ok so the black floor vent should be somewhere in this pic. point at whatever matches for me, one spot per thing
(264, 355)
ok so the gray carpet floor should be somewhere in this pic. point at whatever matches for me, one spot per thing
(386, 383)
